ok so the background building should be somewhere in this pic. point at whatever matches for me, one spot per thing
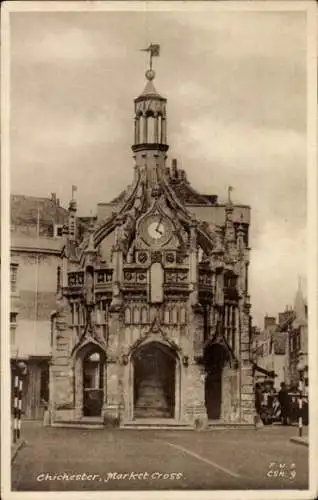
(270, 350)
(297, 328)
(36, 243)
(281, 348)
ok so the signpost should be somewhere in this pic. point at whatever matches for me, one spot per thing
(20, 372)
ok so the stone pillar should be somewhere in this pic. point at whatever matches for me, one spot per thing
(64, 272)
(247, 396)
(62, 389)
(78, 387)
(137, 130)
(145, 129)
(117, 278)
(156, 138)
(126, 389)
(112, 401)
(230, 395)
(163, 131)
(193, 266)
(61, 371)
(194, 396)
(112, 378)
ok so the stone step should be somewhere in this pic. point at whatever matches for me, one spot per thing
(149, 412)
(162, 425)
(80, 424)
(224, 425)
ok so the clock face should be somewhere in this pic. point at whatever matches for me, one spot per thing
(156, 230)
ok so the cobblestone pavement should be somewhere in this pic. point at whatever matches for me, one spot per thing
(75, 459)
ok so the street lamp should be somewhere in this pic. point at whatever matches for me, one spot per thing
(20, 372)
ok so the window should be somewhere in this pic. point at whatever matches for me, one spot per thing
(13, 327)
(58, 231)
(13, 277)
(13, 318)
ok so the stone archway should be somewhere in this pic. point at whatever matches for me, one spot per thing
(156, 381)
(90, 374)
(216, 357)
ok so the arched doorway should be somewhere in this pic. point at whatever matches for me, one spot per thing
(154, 382)
(90, 380)
(215, 357)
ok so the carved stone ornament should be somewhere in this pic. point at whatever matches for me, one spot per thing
(155, 257)
(155, 326)
(124, 359)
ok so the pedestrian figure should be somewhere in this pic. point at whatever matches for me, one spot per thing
(283, 398)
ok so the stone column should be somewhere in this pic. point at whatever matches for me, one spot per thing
(194, 396)
(111, 408)
(78, 387)
(64, 272)
(230, 395)
(156, 138)
(137, 130)
(163, 131)
(247, 396)
(145, 129)
(112, 379)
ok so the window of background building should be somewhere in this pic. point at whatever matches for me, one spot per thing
(58, 231)
(13, 277)
(13, 327)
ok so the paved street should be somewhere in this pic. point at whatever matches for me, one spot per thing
(132, 459)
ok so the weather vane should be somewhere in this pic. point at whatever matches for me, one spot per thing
(154, 51)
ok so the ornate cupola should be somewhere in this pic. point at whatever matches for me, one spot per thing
(150, 139)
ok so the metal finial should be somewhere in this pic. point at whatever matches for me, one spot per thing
(154, 51)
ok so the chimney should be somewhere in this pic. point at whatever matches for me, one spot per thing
(183, 175)
(58, 202)
(174, 169)
(53, 198)
(269, 321)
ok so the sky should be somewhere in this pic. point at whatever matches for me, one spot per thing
(236, 89)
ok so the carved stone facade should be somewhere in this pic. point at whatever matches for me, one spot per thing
(153, 315)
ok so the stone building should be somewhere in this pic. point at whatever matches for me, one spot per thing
(36, 244)
(297, 329)
(280, 350)
(270, 352)
(152, 325)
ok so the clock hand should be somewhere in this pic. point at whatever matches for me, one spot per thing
(157, 228)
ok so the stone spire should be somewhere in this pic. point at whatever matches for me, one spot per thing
(72, 209)
(229, 232)
(240, 239)
(90, 251)
(300, 305)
